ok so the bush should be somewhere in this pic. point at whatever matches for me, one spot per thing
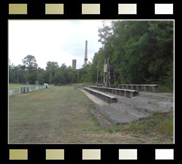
(116, 83)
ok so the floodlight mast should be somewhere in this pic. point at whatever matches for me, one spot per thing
(107, 73)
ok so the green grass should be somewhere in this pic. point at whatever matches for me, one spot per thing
(114, 129)
(160, 123)
(61, 114)
(84, 84)
(13, 85)
(53, 115)
(163, 89)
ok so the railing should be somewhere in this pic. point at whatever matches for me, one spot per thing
(103, 96)
(146, 87)
(122, 92)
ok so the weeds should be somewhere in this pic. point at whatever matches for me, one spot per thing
(114, 129)
(166, 128)
(163, 89)
(159, 122)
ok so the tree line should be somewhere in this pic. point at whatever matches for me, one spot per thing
(139, 51)
(30, 72)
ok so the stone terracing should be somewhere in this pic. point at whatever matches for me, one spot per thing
(126, 110)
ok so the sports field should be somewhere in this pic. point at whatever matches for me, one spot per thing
(61, 114)
(14, 85)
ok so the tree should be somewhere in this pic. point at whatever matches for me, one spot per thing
(140, 51)
(161, 65)
(51, 69)
(59, 78)
(30, 64)
(12, 73)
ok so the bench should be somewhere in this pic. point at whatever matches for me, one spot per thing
(139, 86)
(122, 92)
(79, 86)
(103, 96)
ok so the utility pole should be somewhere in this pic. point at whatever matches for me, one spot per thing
(28, 74)
(101, 76)
(78, 76)
(97, 71)
(50, 78)
(109, 73)
(17, 73)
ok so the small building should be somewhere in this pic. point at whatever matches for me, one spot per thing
(46, 85)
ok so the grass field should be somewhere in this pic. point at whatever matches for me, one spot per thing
(14, 85)
(61, 115)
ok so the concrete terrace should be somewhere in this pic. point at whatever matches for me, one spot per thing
(128, 109)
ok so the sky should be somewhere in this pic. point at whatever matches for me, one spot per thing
(53, 40)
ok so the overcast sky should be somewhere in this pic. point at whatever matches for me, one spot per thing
(53, 40)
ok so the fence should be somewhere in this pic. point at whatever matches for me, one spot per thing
(20, 90)
(11, 91)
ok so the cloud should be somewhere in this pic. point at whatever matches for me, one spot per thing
(53, 40)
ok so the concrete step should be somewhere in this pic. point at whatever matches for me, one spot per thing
(102, 120)
(126, 110)
(129, 111)
(144, 106)
(157, 96)
(115, 116)
(158, 103)
(116, 91)
(141, 106)
(109, 113)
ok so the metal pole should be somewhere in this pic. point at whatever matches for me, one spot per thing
(50, 78)
(97, 71)
(78, 76)
(17, 74)
(101, 77)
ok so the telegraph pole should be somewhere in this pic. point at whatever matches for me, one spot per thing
(97, 71)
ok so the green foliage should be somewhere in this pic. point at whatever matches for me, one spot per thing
(140, 51)
(30, 62)
(30, 72)
(164, 88)
(114, 129)
(135, 126)
(40, 78)
(159, 122)
(116, 83)
(166, 127)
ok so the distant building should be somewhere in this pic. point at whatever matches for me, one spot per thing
(74, 64)
(46, 85)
